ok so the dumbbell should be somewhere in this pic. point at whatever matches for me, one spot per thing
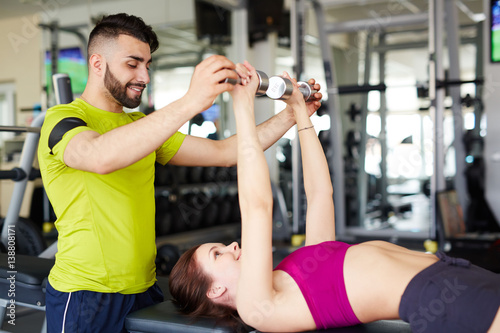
(263, 83)
(281, 88)
(277, 87)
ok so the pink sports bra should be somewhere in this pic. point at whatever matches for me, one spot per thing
(318, 271)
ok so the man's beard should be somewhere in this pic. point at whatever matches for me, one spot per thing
(119, 91)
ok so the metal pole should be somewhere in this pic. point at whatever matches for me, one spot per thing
(378, 23)
(26, 163)
(238, 52)
(436, 72)
(19, 129)
(297, 14)
(415, 45)
(361, 176)
(336, 158)
(478, 106)
(453, 40)
(383, 126)
(440, 93)
(54, 46)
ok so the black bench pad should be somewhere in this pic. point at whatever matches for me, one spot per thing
(164, 317)
(30, 274)
(29, 269)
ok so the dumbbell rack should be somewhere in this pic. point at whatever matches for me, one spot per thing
(193, 199)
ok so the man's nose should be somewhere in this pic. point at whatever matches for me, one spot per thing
(144, 76)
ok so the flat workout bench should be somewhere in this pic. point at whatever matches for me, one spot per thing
(165, 317)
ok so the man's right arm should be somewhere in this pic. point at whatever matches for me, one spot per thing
(125, 145)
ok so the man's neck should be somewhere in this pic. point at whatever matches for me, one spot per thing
(97, 98)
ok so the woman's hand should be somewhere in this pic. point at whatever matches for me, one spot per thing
(245, 92)
(314, 102)
(296, 100)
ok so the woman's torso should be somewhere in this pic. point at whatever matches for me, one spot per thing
(375, 274)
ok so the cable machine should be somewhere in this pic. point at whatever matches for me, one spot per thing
(438, 83)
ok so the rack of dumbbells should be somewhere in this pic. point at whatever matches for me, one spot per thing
(193, 198)
(193, 205)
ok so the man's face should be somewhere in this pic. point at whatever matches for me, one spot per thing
(127, 74)
(120, 92)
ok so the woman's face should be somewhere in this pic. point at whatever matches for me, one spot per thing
(220, 262)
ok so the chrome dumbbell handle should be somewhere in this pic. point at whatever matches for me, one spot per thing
(307, 90)
(263, 83)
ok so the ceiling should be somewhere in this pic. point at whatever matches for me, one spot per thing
(346, 9)
(179, 44)
(338, 10)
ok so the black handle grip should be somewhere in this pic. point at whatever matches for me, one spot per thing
(15, 174)
(18, 174)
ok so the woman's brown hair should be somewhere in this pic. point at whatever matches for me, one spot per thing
(189, 285)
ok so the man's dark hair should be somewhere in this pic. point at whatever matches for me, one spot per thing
(112, 26)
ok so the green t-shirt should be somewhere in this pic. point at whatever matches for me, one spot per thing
(106, 223)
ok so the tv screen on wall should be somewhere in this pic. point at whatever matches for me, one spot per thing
(495, 31)
(72, 62)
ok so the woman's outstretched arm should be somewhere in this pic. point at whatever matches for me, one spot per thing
(320, 217)
(256, 202)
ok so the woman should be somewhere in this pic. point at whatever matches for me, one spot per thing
(325, 283)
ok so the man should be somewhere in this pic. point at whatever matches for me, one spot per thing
(97, 164)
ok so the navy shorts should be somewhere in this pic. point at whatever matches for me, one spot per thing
(451, 295)
(88, 311)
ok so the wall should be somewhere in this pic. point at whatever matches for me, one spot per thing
(20, 65)
(20, 60)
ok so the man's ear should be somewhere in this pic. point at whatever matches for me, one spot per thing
(97, 64)
(216, 291)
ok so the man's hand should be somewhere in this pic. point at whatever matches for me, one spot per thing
(208, 82)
